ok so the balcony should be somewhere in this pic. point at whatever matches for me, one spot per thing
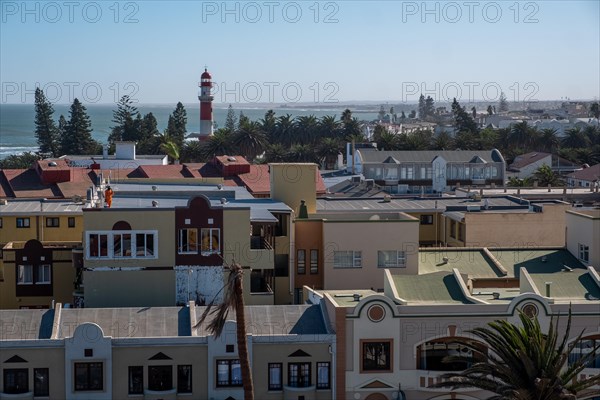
(261, 253)
(170, 394)
(425, 379)
(292, 392)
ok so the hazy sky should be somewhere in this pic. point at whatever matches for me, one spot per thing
(307, 51)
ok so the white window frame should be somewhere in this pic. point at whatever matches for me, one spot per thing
(399, 257)
(110, 244)
(584, 252)
(210, 245)
(355, 255)
(21, 275)
(184, 233)
(44, 274)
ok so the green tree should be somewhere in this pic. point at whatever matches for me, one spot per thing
(328, 151)
(276, 153)
(502, 103)
(233, 300)
(522, 362)
(286, 129)
(19, 161)
(412, 114)
(230, 120)
(178, 129)
(490, 111)
(545, 176)
(575, 138)
(346, 115)
(429, 107)
(516, 182)
(219, 144)
(421, 107)
(443, 141)
(595, 110)
(77, 139)
(172, 150)
(303, 153)
(403, 116)
(352, 130)
(307, 129)
(123, 117)
(329, 127)
(462, 120)
(250, 140)
(549, 140)
(269, 126)
(45, 128)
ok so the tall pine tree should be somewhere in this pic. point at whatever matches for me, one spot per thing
(231, 120)
(77, 138)
(45, 128)
(421, 109)
(125, 128)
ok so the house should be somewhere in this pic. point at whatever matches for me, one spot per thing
(164, 245)
(393, 344)
(125, 157)
(583, 235)
(430, 171)
(158, 353)
(525, 165)
(586, 177)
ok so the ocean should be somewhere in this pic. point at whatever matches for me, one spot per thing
(17, 120)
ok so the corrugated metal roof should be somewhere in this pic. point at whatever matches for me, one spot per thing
(370, 156)
(22, 207)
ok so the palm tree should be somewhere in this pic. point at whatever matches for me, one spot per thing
(524, 363)
(549, 140)
(275, 153)
(545, 176)
(250, 139)
(307, 129)
(172, 150)
(521, 135)
(219, 144)
(303, 153)
(328, 151)
(233, 300)
(329, 127)
(269, 125)
(285, 130)
(575, 138)
(443, 141)
(385, 139)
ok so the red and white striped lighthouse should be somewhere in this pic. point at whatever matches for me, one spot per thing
(206, 112)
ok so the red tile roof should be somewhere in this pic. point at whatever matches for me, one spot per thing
(587, 174)
(258, 180)
(525, 159)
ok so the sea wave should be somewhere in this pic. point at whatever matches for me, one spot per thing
(6, 151)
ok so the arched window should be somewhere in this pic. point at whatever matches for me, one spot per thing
(431, 355)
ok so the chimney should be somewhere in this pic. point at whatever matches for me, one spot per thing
(105, 152)
(125, 150)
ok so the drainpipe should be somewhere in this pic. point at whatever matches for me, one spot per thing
(333, 352)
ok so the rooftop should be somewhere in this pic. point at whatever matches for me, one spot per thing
(48, 207)
(371, 156)
(473, 262)
(437, 287)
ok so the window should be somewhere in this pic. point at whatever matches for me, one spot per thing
(584, 252)
(314, 261)
(391, 259)
(188, 241)
(211, 238)
(184, 379)
(427, 219)
(582, 349)
(22, 222)
(299, 374)
(41, 383)
(71, 221)
(229, 373)
(25, 275)
(461, 232)
(144, 244)
(43, 274)
(323, 375)
(433, 355)
(301, 261)
(52, 222)
(376, 355)
(136, 380)
(122, 244)
(275, 376)
(98, 245)
(16, 380)
(160, 377)
(89, 376)
(347, 259)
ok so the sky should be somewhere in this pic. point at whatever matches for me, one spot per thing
(319, 53)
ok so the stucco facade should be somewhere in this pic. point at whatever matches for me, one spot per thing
(583, 235)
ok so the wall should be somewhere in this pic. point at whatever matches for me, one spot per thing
(490, 229)
(38, 230)
(291, 183)
(584, 229)
(308, 235)
(129, 288)
(369, 237)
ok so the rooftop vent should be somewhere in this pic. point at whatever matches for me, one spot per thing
(52, 164)
(356, 296)
(223, 200)
(445, 260)
(496, 295)
(155, 188)
(231, 159)
(220, 187)
(154, 203)
(387, 198)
